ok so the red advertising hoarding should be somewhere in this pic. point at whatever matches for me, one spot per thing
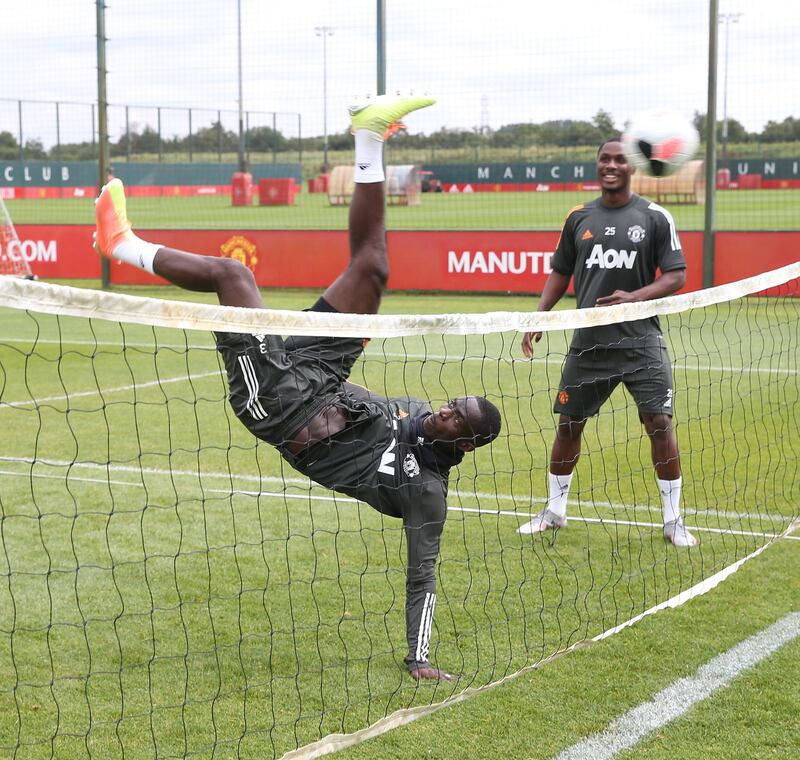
(491, 261)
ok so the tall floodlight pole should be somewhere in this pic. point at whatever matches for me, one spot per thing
(324, 32)
(242, 162)
(727, 19)
(102, 121)
(381, 52)
(709, 222)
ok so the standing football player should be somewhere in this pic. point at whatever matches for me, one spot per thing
(619, 248)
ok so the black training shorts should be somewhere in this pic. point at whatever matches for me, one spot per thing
(590, 376)
(277, 385)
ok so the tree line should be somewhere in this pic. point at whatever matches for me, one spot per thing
(215, 139)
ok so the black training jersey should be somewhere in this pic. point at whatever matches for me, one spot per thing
(381, 456)
(376, 457)
(607, 249)
(380, 459)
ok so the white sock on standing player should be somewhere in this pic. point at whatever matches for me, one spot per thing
(670, 498)
(558, 492)
(369, 157)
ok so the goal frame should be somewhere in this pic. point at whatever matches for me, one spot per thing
(12, 262)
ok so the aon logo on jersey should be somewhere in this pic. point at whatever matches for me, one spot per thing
(610, 258)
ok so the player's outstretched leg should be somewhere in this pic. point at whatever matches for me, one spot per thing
(111, 217)
(380, 113)
(114, 238)
(360, 287)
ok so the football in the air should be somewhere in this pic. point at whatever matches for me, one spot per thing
(660, 142)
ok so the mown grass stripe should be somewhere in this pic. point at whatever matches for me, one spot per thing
(678, 698)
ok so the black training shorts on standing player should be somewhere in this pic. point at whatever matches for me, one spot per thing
(276, 386)
(590, 375)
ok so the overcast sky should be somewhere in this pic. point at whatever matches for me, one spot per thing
(489, 63)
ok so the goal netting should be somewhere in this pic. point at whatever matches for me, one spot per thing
(170, 587)
(12, 257)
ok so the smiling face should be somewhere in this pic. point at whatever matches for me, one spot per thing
(613, 169)
(453, 423)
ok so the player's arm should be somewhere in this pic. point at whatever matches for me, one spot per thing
(665, 285)
(554, 289)
(423, 526)
(563, 264)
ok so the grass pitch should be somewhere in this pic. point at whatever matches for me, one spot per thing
(172, 589)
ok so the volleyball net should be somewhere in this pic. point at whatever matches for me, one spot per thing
(169, 585)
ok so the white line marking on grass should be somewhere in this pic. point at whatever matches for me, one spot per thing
(119, 344)
(139, 470)
(678, 698)
(305, 483)
(108, 391)
(633, 523)
(307, 486)
(555, 359)
(224, 491)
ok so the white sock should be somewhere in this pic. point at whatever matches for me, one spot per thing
(670, 498)
(137, 253)
(369, 157)
(558, 491)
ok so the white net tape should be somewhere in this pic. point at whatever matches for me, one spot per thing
(78, 302)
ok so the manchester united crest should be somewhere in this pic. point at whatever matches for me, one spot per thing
(240, 248)
(636, 233)
(411, 466)
(563, 397)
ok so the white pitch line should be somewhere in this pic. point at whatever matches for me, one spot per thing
(632, 523)
(108, 344)
(107, 391)
(556, 359)
(338, 498)
(678, 698)
(226, 491)
(306, 483)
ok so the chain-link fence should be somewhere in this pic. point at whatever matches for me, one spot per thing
(522, 91)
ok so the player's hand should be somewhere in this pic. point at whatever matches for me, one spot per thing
(429, 673)
(527, 342)
(618, 296)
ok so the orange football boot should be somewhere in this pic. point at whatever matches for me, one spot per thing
(111, 218)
